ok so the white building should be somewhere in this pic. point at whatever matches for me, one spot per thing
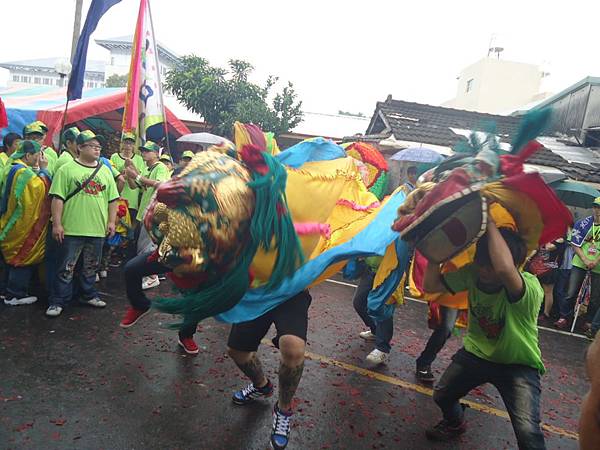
(120, 56)
(496, 86)
(41, 72)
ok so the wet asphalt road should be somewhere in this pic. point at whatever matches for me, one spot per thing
(81, 382)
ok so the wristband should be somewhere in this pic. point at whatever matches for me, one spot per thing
(138, 179)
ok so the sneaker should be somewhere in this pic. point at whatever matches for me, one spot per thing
(367, 335)
(54, 311)
(562, 324)
(115, 263)
(20, 301)
(444, 432)
(132, 316)
(590, 334)
(425, 375)
(97, 278)
(103, 274)
(377, 357)
(188, 345)
(150, 282)
(95, 302)
(280, 433)
(251, 393)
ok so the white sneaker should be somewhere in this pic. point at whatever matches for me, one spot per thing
(95, 302)
(20, 301)
(367, 335)
(103, 274)
(150, 282)
(54, 311)
(97, 278)
(377, 357)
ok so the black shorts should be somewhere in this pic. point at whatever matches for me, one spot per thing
(291, 317)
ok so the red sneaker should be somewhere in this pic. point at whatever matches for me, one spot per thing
(562, 324)
(189, 345)
(132, 316)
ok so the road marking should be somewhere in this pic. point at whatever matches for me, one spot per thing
(416, 300)
(427, 391)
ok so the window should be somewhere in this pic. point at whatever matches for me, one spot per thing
(46, 81)
(470, 84)
(25, 79)
(37, 80)
(15, 77)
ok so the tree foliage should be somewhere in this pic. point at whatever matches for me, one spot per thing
(223, 96)
(116, 81)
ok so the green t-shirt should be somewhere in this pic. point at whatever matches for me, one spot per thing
(500, 331)
(64, 158)
(590, 248)
(131, 195)
(158, 172)
(52, 158)
(86, 213)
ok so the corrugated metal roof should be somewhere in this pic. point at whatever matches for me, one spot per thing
(49, 63)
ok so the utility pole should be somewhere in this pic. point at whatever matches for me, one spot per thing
(76, 27)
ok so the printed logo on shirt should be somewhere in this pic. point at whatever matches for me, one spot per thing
(492, 327)
(92, 188)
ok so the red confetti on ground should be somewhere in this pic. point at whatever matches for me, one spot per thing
(58, 422)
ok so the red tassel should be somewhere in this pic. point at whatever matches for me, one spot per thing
(253, 158)
(511, 165)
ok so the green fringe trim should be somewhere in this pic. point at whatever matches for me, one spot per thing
(22, 180)
(270, 228)
(531, 126)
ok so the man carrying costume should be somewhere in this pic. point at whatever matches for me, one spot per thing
(24, 214)
(291, 323)
(84, 210)
(501, 346)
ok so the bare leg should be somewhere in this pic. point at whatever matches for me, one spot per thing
(290, 369)
(548, 298)
(249, 363)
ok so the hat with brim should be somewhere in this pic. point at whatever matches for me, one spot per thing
(596, 202)
(150, 146)
(27, 147)
(166, 157)
(86, 136)
(33, 128)
(187, 154)
(71, 134)
(128, 136)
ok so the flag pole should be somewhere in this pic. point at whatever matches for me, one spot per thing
(162, 102)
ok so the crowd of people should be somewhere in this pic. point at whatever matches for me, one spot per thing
(70, 216)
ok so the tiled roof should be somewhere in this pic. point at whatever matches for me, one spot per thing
(417, 122)
(427, 124)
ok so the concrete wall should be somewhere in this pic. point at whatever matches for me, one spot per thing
(120, 60)
(497, 86)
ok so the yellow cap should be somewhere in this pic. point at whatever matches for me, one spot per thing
(596, 201)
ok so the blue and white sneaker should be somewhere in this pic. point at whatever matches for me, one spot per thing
(280, 433)
(251, 393)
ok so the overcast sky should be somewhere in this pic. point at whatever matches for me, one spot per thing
(339, 54)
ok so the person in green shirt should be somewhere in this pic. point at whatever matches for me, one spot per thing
(36, 131)
(69, 152)
(156, 173)
(586, 246)
(84, 210)
(119, 159)
(501, 345)
(165, 158)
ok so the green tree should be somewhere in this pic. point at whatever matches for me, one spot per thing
(224, 96)
(116, 81)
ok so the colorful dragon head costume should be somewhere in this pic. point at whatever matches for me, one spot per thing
(210, 221)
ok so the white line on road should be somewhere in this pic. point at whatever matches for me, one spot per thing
(551, 330)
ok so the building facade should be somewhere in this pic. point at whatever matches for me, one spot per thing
(42, 72)
(497, 86)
